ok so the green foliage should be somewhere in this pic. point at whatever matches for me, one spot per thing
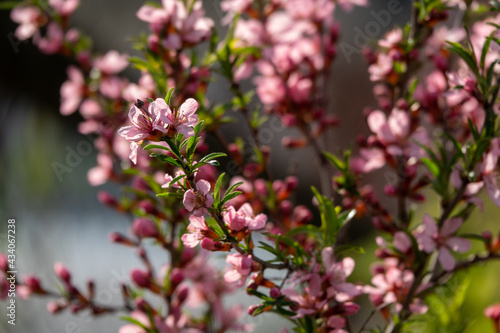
(446, 309)
(332, 219)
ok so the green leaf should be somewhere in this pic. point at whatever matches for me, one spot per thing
(169, 95)
(485, 50)
(330, 223)
(135, 322)
(432, 166)
(170, 194)
(346, 247)
(9, 4)
(175, 180)
(212, 156)
(465, 55)
(217, 191)
(309, 229)
(167, 159)
(156, 147)
(335, 161)
(230, 196)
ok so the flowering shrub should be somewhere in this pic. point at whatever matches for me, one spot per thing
(435, 125)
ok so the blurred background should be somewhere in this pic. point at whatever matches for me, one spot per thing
(58, 219)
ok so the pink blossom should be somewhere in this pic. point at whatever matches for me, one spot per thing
(100, 174)
(348, 5)
(72, 91)
(111, 63)
(490, 172)
(336, 274)
(394, 133)
(196, 227)
(270, 89)
(112, 86)
(184, 119)
(242, 266)
(391, 287)
(244, 217)
(64, 7)
(30, 18)
(53, 40)
(381, 68)
(299, 88)
(493, 312)
(311, 301)
(368, 160)
(145, 125)
(200, 200)
(430, 237)
(314, 10)
(391, 39)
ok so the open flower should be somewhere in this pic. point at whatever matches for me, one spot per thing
(242, 266)
(197, 227)
(490, 171)
(183, 119)
(200, 200)
(145, 125)
(244, 217)
(430, 237)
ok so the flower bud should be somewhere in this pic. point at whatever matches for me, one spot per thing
(62, 272)
(252, 308)
(183, 294)
(107, 199)
(144, 227)
(148, 208)
(116, 237)
(32, 282)
(275, 292)
(54, 307)
(289, 142)
(140, 278)
(176, 276)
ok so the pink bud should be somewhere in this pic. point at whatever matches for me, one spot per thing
(32, 282)
(260, 187)
(390, 189)
(291, 183)
(286, 208)
(289, 142)
(208, 244)
(107, 199)
(144, 227)
(302, 214)
(54, 307)
(176, 276)
(252, 309)
(288, 120)
(182, 294)
(62, 272)
(140, 278)
(3, 262)
(148, 208)
(116, 237)
(275, 292)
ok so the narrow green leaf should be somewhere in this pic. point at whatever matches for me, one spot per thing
(217, 191)
(230, 196)
(170, 194)
(156, 147)
(335, 161)
(465, 55)
(169, 95)
(167, 159)
(175, 180)
(212, 156)
(433, 167)
(305, 229)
